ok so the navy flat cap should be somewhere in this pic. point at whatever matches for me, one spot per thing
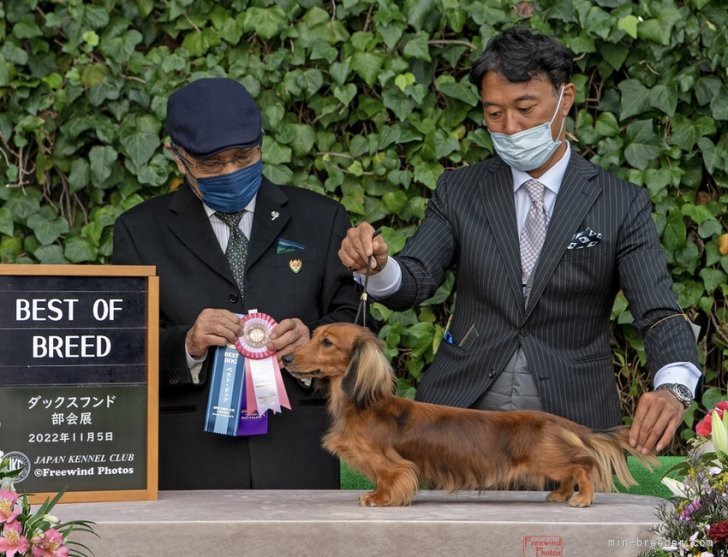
(213, 114)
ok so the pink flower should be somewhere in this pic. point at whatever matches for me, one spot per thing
(705, 426)
(7, 504)
(49, 544)
(11, 542)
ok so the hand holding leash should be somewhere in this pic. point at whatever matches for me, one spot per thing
(363, 250)
(362, 310)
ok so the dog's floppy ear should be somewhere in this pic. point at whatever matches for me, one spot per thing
(369, 376)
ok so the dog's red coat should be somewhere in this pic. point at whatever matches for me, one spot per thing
(400, 444)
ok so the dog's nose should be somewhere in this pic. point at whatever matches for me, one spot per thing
(287, 359)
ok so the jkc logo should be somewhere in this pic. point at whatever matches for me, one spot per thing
(18, 461)
(543, 546)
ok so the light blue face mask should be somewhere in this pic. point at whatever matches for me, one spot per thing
(230, 193)
(531, 148)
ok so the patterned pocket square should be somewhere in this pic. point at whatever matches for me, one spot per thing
(587, 238)
(288, 246)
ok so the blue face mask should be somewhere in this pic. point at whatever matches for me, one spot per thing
(230, 193)
(531, 148)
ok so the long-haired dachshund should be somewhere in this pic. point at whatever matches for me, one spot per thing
(399, 443)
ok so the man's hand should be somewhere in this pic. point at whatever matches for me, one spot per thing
(213, 327)
(358, 245)
(656, 420)
(287, 336)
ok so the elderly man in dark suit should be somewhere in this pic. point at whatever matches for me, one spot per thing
(542, 241)
(281, 245)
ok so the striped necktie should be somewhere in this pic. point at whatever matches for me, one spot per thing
(534, 231)
(237, 247)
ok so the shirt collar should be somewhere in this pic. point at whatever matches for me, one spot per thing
(551, 179)
(249, 208)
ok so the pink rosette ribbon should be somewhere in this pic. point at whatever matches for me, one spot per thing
(264, 386)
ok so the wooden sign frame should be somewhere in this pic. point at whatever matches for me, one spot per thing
(150, 492)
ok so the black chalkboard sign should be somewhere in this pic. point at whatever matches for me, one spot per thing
(79, 381)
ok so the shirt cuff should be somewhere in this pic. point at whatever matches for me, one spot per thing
(386, 282)
(683, 373)
(195, 366)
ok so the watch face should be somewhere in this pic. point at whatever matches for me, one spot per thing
(684, 393)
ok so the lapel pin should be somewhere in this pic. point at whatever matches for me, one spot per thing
(295, 265)
(274, 215)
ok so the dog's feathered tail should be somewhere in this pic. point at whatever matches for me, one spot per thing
(369, 376)
(608, 451)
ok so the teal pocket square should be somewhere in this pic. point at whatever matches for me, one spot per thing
(288, 246)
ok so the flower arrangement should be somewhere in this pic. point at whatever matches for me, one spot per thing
(39, 534)
(695, 520)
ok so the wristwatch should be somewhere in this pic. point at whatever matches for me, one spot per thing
(681, 392)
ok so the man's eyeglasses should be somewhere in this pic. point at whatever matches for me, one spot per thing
(240, 159)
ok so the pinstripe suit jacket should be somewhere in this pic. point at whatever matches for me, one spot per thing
(564, 328)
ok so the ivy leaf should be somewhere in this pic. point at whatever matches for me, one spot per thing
(712, 279)
(418, 11)
(673, 237)
(399, 103)
(274, 153)
(101, 159)
(614, 54)
(278, 174)
(346, 93)
(121, 48)
(711, 156)
(24, 203)
(719, 104)
(635, 98)
(265, 22)
(6, 221)
(664, 98)
(198, 43)
(46, 230)
(417, 47)
(50, 255)
(145, 7)
(628, 24)
(461, 90)
(301, 138)
(395, 201)
(339, 71)
(367, 65)
(26, 28)
(79, 250)
(643, 145)
(607, 125)
(140, 139)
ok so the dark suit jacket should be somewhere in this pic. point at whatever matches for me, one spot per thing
(564, 330)
(173, 232)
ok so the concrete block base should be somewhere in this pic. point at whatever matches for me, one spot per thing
(331, 523)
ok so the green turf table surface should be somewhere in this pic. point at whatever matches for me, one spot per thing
(649, 482)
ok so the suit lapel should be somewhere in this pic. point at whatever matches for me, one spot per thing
(189, 223)
(270, 218)
(577, 194)
(497, 197)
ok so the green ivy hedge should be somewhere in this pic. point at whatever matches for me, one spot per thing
(367, 101)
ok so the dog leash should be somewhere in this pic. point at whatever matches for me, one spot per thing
(362, 310)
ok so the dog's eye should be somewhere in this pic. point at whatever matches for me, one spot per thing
(327, 342)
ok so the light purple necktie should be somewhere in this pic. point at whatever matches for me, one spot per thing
(534, 231)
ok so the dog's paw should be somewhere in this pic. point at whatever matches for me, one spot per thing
(579, 500)
(557, 497)
(365, 500)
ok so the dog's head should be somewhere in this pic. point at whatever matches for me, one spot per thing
(347, 355)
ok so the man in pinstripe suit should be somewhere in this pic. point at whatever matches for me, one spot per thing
(536, 335)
